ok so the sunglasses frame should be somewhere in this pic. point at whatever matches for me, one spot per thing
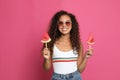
(61, 23)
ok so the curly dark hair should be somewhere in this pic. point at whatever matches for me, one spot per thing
(54, 33)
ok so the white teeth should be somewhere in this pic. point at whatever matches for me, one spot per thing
(64, 29)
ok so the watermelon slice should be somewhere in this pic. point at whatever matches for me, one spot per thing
(46, 38)
(90, 40)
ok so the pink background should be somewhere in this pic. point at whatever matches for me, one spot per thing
(23, 22)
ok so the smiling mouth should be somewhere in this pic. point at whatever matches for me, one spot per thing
(64, 29)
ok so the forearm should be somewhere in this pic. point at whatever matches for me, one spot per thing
(83, 64)
(47, 64)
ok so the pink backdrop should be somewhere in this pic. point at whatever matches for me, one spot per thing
(22, 23)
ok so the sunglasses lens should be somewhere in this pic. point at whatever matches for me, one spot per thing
(68, 23)
(60, 23)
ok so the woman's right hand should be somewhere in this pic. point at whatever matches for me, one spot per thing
(46, 53)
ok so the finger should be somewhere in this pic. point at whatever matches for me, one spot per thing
(90, 48)
(45, 48)
(89, 52)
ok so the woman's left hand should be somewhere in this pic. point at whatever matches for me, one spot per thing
(89, 53)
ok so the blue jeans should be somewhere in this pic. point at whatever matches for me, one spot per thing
(71, 76)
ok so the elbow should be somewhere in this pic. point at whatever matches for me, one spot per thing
(80, 70)
(46, 68)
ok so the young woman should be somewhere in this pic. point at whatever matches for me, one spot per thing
(65, 51)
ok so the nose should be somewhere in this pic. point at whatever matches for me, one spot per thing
(64, 24)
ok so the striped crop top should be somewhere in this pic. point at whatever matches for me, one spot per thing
(64, 62)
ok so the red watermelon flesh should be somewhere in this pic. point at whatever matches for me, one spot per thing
(46, 38)
(90, 40)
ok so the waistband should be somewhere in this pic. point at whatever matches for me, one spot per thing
(66, 75)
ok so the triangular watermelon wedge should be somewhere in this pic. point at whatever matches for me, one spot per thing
(46, 38)
(90, 40)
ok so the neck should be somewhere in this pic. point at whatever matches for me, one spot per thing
(65, 37)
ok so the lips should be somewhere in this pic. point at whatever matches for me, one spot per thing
(64, 29)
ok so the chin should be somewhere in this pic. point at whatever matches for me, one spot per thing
(65, 33)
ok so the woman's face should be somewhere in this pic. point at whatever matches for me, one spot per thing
(65, 24)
